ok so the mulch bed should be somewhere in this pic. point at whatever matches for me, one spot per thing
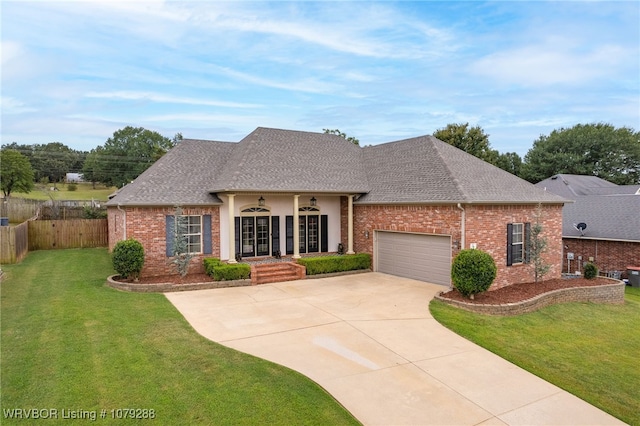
(523, 291)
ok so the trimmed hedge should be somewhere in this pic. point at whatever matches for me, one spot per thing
(231, 272)
(128, 258)
(473, 271)
(329, 264)
(220, 271)
(210, 263)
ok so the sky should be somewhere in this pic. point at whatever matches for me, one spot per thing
(75, 72)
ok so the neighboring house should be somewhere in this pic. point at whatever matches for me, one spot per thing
(611, 214)
(412, 204)
(74, 177)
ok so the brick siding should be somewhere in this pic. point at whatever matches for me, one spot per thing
(485, 225)
(148, 225)
(607, 255)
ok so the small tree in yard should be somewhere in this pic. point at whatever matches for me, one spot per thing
(473, 272)
(128, 258)
(538, 246)
(181, 257)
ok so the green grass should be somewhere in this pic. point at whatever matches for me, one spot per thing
(590, 350)
(84, 191)
(70, 342)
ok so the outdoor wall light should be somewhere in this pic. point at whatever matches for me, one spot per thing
(313, 201)
(366, 234)
(261, 201)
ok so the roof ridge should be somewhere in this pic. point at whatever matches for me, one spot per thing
(452, 175)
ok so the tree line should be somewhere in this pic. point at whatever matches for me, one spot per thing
(598, 149)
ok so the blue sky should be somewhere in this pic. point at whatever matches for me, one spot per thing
(75, 72)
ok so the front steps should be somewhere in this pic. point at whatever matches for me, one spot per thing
(276, 272)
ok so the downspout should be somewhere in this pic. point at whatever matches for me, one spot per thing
(124, 222)
(462, 226)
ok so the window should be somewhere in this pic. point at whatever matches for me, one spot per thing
(196, 232)
(517, 243)
(191, 229)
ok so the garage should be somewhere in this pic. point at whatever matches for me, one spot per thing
(418, 256)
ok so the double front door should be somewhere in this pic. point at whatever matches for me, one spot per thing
(255, 236)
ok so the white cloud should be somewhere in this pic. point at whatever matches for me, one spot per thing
(160, 98)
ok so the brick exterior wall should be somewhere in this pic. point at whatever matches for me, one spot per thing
(485, 225)
(148, 225)
(607, 255)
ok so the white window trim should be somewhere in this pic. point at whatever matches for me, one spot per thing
(187, 234)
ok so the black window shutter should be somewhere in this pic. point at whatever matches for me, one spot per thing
(237, 228)
(324, 233)
(170, 229)
(527, 239)
(275, 234)
(509, 244)
(289, 234)
(206, 234)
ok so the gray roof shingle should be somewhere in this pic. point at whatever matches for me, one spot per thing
(427, 170)
(610, 211)
(418, 170)
(180, 177)
(285, 160)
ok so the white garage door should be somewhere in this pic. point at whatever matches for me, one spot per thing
(418, 256)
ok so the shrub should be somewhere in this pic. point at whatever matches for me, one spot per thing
(94, 213)
(590, 271)
(225, 272)
(210, 263)
(473, 272)
(329, 264)
(72, 186)
(128, 258)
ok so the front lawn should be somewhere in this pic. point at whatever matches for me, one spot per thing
(592, 351)
(69, 342)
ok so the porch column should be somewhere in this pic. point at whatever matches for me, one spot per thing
(350, 226)
(232, 228)
(296, 228)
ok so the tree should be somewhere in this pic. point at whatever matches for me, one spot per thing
(16, 173)
(54, 160)
(181, 257)
(511, 162)
(471, 140)
(538, 246)
(600, 150)
(342, 135)
(125, 155)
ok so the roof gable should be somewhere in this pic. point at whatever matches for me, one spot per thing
(285, 161)
(427, 170)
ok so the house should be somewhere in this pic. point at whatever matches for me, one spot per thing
(412, 204)
(611, 213)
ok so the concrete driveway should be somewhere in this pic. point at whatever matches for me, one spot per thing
(371, 342)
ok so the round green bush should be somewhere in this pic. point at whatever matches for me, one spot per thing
(473, 272)
(128, 258)
(590, 271)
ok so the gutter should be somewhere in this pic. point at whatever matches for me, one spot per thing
(462, 226)
(124, 226)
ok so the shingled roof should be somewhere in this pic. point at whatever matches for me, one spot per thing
(610, 211)
(427, 170)
(418, 170)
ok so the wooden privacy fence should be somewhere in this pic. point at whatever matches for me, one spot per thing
(14, 243)
(19, 209)
(62, 234)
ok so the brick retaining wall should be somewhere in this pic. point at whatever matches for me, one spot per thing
(609, 293)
